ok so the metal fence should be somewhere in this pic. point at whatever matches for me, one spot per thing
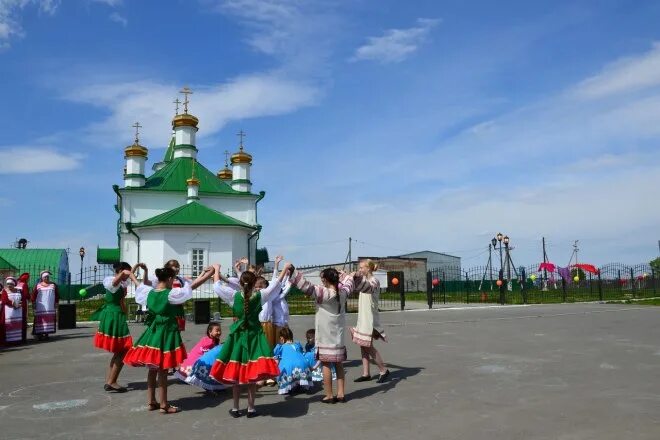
(528, 285)
(479, 284)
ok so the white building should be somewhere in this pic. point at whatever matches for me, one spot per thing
(182, 210)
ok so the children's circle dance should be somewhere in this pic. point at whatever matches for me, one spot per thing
(249, 356)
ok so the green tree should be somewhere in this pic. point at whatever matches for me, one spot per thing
(655, 264)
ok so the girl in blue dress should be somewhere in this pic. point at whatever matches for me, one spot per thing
(295, 372)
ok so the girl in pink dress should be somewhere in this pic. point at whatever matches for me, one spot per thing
(212, 339)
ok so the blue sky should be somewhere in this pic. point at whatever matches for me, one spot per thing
(406, 125)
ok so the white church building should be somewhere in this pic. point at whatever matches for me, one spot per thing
(183, 210)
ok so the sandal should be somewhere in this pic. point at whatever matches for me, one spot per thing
(169, 409)
(153, 406)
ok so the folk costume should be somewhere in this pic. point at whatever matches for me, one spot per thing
(246, 356)
(203, 346)
(295, 371)
(368, 326)
(160, 346)
(112, 334)
(330, 316)
(200, 376)
(13, 312)
(45, 298)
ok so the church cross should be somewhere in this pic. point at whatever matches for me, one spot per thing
(186, 91)
(137, 127)
(226, 158)
(176, 103)
(241, 134)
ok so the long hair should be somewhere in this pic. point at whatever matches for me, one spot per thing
(164, 273)
(247, 281)
(118, 267)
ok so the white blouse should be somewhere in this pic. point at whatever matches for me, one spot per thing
(227, 293)
(177, 295)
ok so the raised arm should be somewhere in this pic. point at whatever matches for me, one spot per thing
(273, 288)
(179, 295)
(121, 276)
(142, 293)
(203, 277)
(366, 285)
(109, 282)
(145, 277)
(297, 279)
(286, 287)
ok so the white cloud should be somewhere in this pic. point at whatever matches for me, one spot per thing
(150, 103)
(31, 159)
(111, 3)
(10, 17)
(395, 45)
(624, 76)
(118, 18)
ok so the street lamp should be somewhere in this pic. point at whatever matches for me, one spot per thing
(508, 265)
(498, 238)
(81, 252)
(95, 269)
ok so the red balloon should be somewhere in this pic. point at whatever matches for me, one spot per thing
(498, 282)
(436, 281)
(395, 281)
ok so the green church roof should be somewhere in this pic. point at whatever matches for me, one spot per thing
(6, 265)
(173, 176)
(192, 214)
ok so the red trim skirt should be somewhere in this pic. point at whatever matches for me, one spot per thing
(152, 357)
(113, 344)
(234, 372)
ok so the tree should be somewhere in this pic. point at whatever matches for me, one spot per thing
(655, 264)
(261, 257)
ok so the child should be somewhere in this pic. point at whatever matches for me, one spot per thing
(368, 326)
(245, 358)
(212, 339)
(44, 301)
(294, 368)
(201, 370)
(160, 347)
(310, 356)
(112, 334)
(330, 298)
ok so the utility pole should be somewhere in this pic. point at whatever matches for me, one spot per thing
(350, 255)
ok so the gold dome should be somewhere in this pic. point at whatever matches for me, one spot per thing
(193, 181)
(185, 120)
(225, 174)
(135, 150)
(241, 157)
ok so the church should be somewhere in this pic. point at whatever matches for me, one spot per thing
(183, 210)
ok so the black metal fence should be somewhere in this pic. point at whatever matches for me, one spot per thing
(528, 285)
(615, 281)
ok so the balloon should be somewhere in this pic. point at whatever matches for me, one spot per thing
(82, 292)
(436, 281)
(395, 281)
(576, 278)
(498, 282)
(533, 277)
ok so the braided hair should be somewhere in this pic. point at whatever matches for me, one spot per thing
(247, 281)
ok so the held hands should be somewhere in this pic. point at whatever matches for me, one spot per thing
(278, 259)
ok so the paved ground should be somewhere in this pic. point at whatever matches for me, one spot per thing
(568, 372)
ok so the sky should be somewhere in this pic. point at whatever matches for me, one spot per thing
(405, 125)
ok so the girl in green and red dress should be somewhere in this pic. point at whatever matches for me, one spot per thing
(246, 357)
(112, 334)
(160, 347)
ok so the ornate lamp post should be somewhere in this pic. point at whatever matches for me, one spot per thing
(81, 252)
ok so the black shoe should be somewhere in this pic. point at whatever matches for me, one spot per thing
(251, 414)
(340, 399)
(235, 413)
(112, 389)
(363, 379)
(107, 387)
(332, 401)
(383, 377)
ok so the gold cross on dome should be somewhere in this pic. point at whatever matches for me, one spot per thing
(186, 91)
(226, 158)
(241, 134)
(176, 103)
(137, 127)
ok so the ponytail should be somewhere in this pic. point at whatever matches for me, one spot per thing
(331, 275)
(372, 265)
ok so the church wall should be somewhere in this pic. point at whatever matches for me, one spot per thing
(137, 207)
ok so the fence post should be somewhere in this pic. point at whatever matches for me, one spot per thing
(522, 286)
(632, 282)
(444, 288)
(653, 279)
(563, 289)
(429, 289)
(467, 288)
(600, 287)
(501, 279)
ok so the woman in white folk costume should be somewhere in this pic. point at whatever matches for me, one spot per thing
(330, 299)
(368, 326)
(44, 300)
(279, 303)
(13, 303)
